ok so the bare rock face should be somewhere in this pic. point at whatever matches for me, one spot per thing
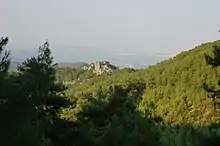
(100, 67)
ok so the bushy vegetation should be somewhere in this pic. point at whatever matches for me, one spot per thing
(174, 103)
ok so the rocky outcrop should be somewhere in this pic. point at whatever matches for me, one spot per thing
(100, 67)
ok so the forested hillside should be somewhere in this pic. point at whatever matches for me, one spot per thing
(173, 103)
(176, 87)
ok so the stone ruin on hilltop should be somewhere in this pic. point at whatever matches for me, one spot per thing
(100, 67)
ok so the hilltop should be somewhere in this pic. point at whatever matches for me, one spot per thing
(100, 67)
(84, 73)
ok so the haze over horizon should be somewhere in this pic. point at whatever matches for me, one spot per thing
(137, 32)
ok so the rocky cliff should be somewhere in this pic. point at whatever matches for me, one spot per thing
(100, 67)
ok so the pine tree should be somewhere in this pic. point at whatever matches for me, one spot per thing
(4, 66)
(37, 79)
(4, 56)
(214, 61)
(38, 76)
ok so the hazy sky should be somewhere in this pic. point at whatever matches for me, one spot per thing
(118, 30)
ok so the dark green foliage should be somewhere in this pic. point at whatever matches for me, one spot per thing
(32, 100)
(4, 65)
(72, 75)
(215, 61)
(4, 58)
(37, 76)
(114, 120)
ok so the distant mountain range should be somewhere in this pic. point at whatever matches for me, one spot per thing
(15, 64)
(71, 65)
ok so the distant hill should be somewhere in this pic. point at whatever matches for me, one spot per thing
(82, 74)
(72, 65)
(14, 64)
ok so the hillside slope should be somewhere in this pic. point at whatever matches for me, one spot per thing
(166, 101)
(175, 87)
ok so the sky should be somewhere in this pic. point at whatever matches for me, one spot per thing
(137, 32)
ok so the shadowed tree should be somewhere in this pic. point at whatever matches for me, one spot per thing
(4, 65)
(37, 77)
(214, 61)
(32, 99)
